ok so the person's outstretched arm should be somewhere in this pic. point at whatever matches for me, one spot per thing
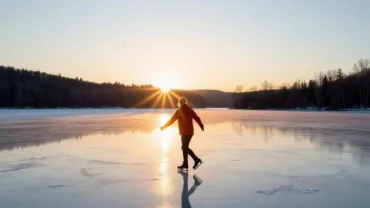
(171, 121)
(198, 120)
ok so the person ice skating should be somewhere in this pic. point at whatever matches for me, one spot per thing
(185, 115)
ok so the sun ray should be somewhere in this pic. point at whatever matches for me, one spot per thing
(157, 100)
(174, 94)
(177, 96)
(164, 98)
(146, 100)
(171, 101)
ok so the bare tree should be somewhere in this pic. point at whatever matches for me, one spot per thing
(331, 75)
(296, 85)
(238, 89)
(253, 89)
(284, 86)
(245, 90)
(271, 86)
(361, 68)
(237, 95)
(267, 85)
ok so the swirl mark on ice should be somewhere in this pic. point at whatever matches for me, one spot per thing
(19, 166)
(290, 188)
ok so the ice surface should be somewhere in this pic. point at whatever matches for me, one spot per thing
(119, 158)
(19, 166)
(289, 188)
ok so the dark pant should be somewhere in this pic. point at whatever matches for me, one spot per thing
(185, 141)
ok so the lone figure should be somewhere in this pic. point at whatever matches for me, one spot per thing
(185, 116)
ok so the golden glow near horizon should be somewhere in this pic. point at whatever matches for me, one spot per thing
(164, 96)
(167, 83)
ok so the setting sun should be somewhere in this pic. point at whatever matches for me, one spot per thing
(165, 88)
(166, 83)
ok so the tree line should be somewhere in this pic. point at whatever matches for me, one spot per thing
(331, 90)
(21, 88)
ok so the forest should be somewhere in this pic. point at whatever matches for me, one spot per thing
(331, 90)
(21, 88)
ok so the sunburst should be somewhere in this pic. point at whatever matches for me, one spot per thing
(159, 98)
(166, 83)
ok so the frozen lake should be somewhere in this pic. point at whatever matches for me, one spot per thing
(119, 158)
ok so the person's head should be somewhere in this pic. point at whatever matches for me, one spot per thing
(182, 101)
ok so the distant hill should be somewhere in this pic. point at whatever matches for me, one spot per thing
(216, 98)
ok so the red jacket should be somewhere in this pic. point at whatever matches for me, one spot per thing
(185, 116)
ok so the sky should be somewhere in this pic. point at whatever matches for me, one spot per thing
(194, 44)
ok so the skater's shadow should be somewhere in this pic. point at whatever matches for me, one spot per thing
(186, 192)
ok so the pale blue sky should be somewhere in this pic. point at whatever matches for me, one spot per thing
(201, 44)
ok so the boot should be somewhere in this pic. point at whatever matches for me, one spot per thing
(197, 163)
(183, 166)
